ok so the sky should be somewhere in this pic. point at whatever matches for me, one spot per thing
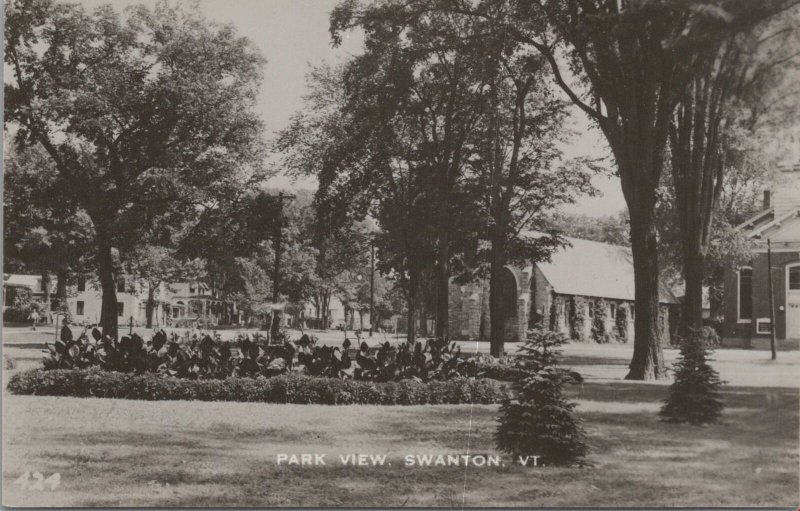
(293, 36)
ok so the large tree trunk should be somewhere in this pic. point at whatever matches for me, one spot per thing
(275, 325)
(502, 189)
(423, 317)
(442, 289)
(150, 305)
(48, 306)
(62, 276)
(648, 359)
(108, 310)
(411, 330)
(697, 154)
(496, 314)
(326, 306)
(692, 308)
(412, 299)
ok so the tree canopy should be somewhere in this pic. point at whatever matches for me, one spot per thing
(140, 112)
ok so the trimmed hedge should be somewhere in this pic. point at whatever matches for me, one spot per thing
(287, 388)
(501, 372)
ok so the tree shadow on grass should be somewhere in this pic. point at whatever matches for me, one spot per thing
(453, 428)
(633, 392)
(583, 360)
(26, 346)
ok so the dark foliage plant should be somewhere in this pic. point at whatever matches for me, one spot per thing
(433, 360)
(708, 335)
(14, 315)
(577, 317)
(208, 358)
(694, 396)
(285, 388)
(598, 321)
(621, 323)
(539, 420)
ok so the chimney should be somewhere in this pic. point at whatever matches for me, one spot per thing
(766, 199)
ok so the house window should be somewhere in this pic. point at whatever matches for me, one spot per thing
(763, 326)
(794, 278)
(191, 289)
(120, 309)
(745, 294)
(81, 285)
(121, 285)
(591, 310)
(612, 310)
(79, 308)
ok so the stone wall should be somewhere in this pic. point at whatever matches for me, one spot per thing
(469, 308)
(538, 306)
(541, 300)
(468, 304)
(523, 301)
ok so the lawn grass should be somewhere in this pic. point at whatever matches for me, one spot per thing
(134, 453)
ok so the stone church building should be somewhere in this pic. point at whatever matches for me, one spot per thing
(746, 298)
(585, 291)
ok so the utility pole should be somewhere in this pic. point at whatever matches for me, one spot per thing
(276, 275)
(371, 285)
(771, 302)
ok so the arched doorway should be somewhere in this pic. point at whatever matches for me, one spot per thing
(508, 295)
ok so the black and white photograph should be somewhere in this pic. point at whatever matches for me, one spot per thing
(401, 253)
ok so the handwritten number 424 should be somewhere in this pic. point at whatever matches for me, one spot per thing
(36, 481)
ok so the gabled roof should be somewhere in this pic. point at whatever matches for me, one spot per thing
(29, 281)
(591, 268)
(758, 219)
(785, 228)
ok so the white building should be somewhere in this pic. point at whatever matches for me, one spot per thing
(14, 283)
(179, 304)
(336, 312)
(175, 303)
(338, 316)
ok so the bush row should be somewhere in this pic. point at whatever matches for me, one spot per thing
(502, 372)
(286, 388)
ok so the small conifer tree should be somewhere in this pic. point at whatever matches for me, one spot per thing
(694, 395)
(540, 421)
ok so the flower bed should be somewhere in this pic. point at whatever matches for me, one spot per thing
(204, 359)
(286, 388)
